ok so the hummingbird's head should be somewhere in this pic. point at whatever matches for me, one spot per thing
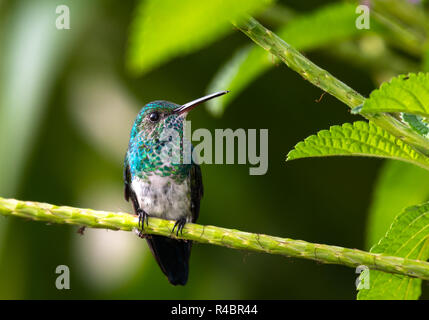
(157, 116)
(157, 142)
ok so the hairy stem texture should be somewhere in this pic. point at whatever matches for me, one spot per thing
(326, 81)
(230, 238)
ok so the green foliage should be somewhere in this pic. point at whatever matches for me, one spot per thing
(357, 139)
(408, 237)
(20, 114)
(397, 111)
(325, 26)
(398, 186)
(405, 93)
(163, 29)
(244, 66)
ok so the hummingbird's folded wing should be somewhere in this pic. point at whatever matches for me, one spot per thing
(196, 190)
(127, 180)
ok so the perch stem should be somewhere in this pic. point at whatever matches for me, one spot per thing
(230, 238)
(327, 82)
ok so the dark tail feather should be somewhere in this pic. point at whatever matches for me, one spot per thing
(172, 256)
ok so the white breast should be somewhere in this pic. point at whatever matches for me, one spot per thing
(162, 197)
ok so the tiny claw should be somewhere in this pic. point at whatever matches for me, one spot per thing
(180, 224)
(143, 216)
(141, 235)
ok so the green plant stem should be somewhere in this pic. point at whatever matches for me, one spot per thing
(218, 236)
(387, 59)
(326, 81)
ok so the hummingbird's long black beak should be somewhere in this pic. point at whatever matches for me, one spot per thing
(191, 105)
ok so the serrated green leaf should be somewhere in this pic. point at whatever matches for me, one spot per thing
(332, 23)
(357, 139)
(405, 93)
(399, 185)
(163, 29)
(408, 237)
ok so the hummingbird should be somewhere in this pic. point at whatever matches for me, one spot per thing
(160, 186)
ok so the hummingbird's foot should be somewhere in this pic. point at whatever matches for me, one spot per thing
(143, 217)
(141, 234)
(179, 224)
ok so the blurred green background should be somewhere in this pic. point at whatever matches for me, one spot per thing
(67, 103)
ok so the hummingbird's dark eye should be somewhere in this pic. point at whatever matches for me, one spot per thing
(154, 116)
